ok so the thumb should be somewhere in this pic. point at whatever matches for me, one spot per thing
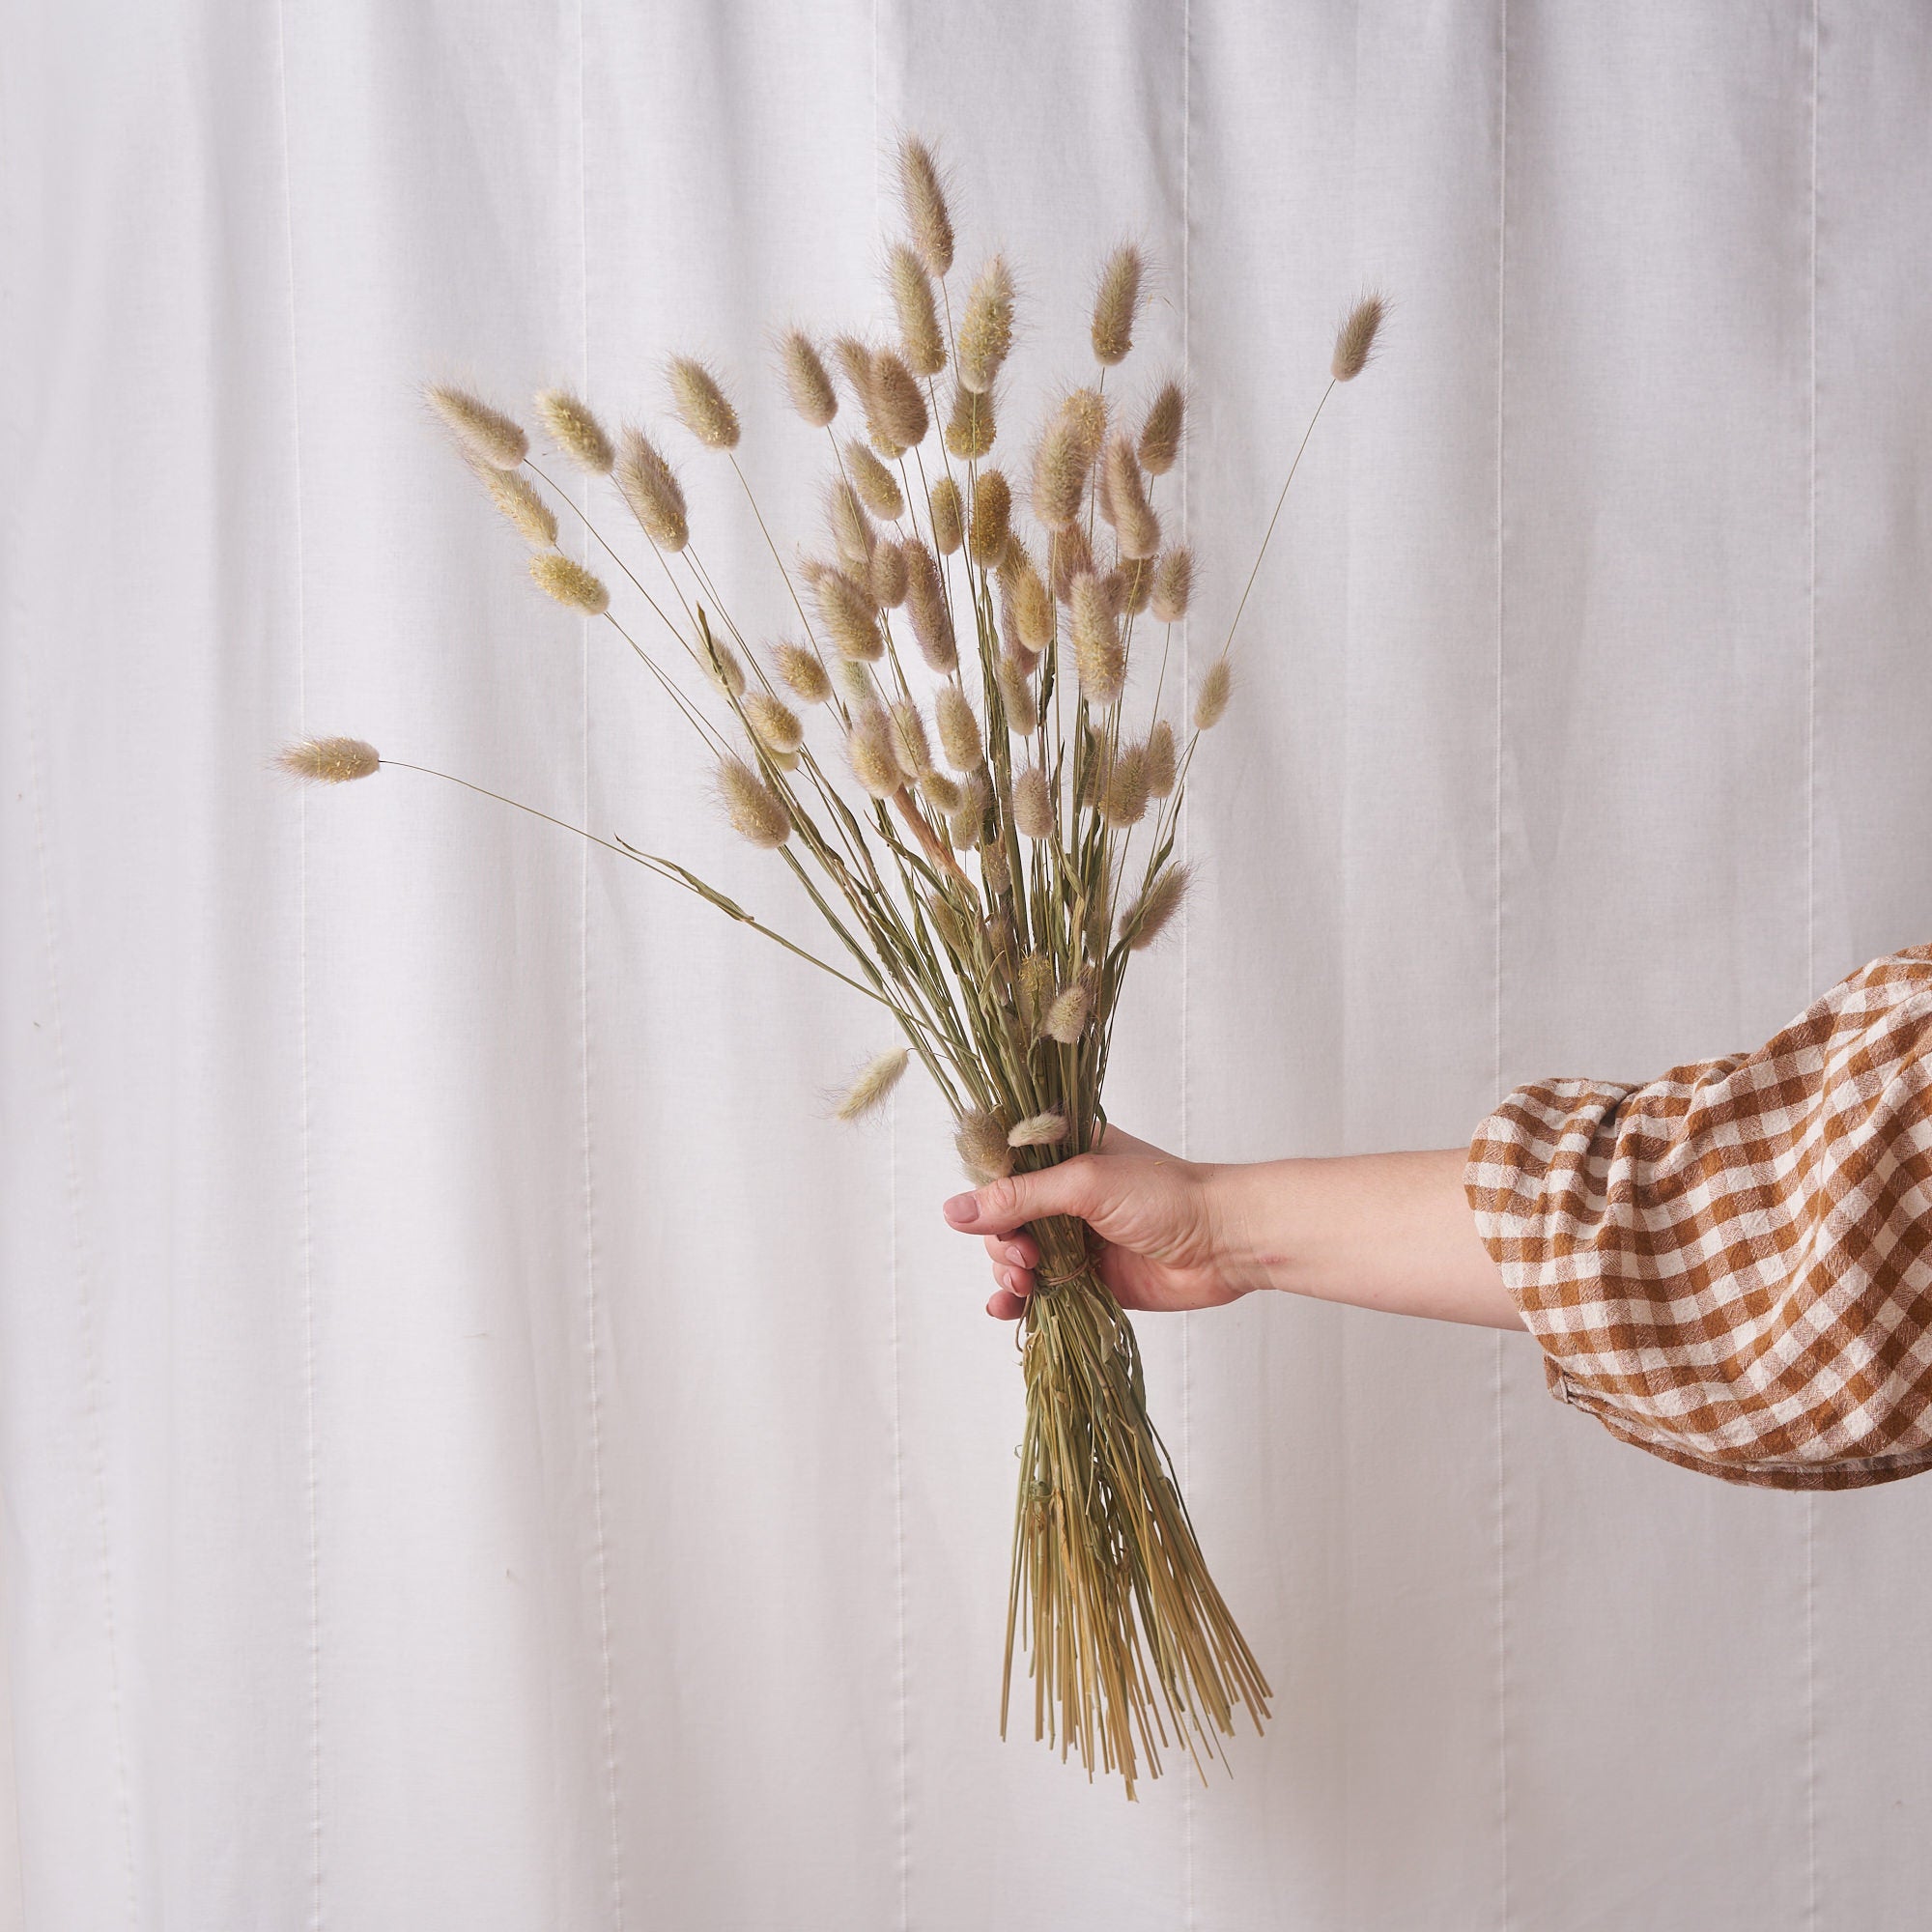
(1069, 1188)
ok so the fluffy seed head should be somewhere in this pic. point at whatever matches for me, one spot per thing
(992, 518)
(1035, 986)
(1072, 555)
(1160, 434)
(576, 431)
(926, 604)
(994, 867)
(1134, 522)
(328, 761)
(703, 405)
(855, 365)
(776, 723)
(919, 321)
(1216, 688)
(1160, 773)
(1128, 787)
(949, 516)
(517, 497)
(941, 793)
(987, 331)
(875, 1081)
(958, 730)
(1136, 584)
(852, 534)
(898, 419)
(1116, 303)
(1067, 1017)
(850, 617)
(923, 198)
(806, 381)
(1039, 1130)
(1033, 808)
(1147, 917)
(969, 425)
(756, 810)
(911, 751)
(1016, 694)
(981, 1141)
(888, 574)
(869, 746)
(569, 582)
(853, 682)
(487, 434)
(877, 487)
(803, 675)
(1173, 584)
(722, 666)
(1032, 611)
(1058, 473)
(650, 487)
(1356, 339)
(1087, 411)
(1099, 655)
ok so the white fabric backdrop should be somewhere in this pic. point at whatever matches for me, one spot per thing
(477, 1446)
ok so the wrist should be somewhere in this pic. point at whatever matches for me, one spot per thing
(1251, 1234)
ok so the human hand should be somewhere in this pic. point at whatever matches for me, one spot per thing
(1158, 1218)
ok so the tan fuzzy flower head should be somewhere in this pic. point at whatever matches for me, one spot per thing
(925, 604)
(912, 752)
(1039, 1130)
(922, 195)
(1059, 472)
(919, 321)
(1148, 917)
(877, 487)
(803, 675)
(1173, 584)
(899, 420)
(1017, 696)
(1127, 800)
(1067, 1017)
(969, 425)
(849, 527)
(1356, 339)
(1032, 611)
(981, 1141)
(1033, 806)
(1216, 688)
(949, 516)
(570, 583)
(991, 517)
(1160, 771)
(875, 1085)
(958, 730)
(806, 381)
(1099, 655)
(1073, 556)
(850, 617)
(701, 404)
(328, 761)
(724, 668)
(1160, 434)
(987, 331)
(775, 722)
(1116, 304)
(888, 578)
(1134, 522)
(853, 678)
(944, 794)
(756, 812)
(649, 485)
(487, 434)
(869, 748)
(576, 431)
(855, 365)
(518, 498)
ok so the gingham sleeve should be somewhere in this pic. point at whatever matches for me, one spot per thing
(1731, 1265)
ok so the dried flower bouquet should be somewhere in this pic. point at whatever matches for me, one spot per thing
(983, 836)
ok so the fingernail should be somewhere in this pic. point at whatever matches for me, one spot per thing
(963, 1211)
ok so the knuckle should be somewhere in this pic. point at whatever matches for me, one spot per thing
(1000, 1197)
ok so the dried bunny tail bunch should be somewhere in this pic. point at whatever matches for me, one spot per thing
(570, 583)
(1135, 525)
(1116, 303)
(877, 487)
(912, 303)
(486, 434)
(576, 431)
(986, 332)
(804, 676)
(649, 485)
(806, 379)
(518, 498)
(922, 195)
(1211, 706)
(874, 1086)
(1173, 584)
(981, 1141)
(1160, 433)
(1356, 339)
(756, 810)
(949, 516)
(328, 761)
(1148, 917)
(701, 404)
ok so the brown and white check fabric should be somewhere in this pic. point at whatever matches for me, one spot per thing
(1731, 1265)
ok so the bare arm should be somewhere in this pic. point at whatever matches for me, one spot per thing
(1387, 1231)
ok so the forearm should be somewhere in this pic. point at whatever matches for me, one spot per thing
(1386, 1231)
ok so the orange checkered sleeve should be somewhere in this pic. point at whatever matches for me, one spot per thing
(1731, 1265)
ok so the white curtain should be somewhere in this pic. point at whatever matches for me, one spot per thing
(478, 1446)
